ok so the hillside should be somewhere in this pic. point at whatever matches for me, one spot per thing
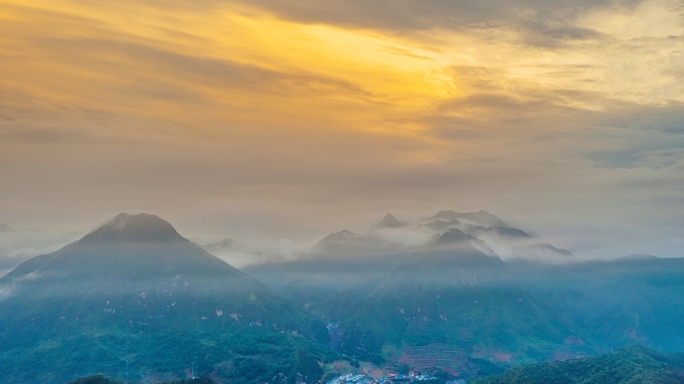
(632, 365)
(136, 291)
(101, 379)
(447, 305)
(622, 302)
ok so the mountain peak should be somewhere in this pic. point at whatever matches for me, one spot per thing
(389, 221)
(339, 237)
(481, 218)
(130, 247)
(142, 227)
(5, 228)
(453, 236)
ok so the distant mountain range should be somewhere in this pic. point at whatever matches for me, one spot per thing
(486, 232)
(5, 228)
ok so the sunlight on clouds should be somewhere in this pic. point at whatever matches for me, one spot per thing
(641, 54)
(382, 65)
(140, 68)
(660, 18)
(134, 59)
(233, 66)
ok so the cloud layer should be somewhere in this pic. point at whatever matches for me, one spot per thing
(564, 116)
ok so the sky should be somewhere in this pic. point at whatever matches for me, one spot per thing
(278, 120)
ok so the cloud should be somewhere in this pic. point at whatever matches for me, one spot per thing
(548, 18)
(327, 113)
(8, 286)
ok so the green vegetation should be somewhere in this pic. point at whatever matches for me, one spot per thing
(96, 379)
(460, 298)
(633, 365)
(102, 379)
(620, 303)
(497, 316)
(150, 309)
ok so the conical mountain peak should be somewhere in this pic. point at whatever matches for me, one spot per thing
(132, 247)
(134, 228)
(389, 221)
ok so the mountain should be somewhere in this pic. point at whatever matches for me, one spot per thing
(487, 233)
(136, 291)
(622, 302)
(390, 221)
(477, 230)
(481, 218)
(449, 295)
(500, 238)
(350, 244)
(455, 236)
(5, 228)
(633, 365)
(445, 305)
(341, 237)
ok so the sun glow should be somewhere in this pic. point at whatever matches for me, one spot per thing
(346, 78)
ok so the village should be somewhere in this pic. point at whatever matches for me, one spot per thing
(391, 378)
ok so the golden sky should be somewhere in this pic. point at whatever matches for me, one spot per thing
(321, 113)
